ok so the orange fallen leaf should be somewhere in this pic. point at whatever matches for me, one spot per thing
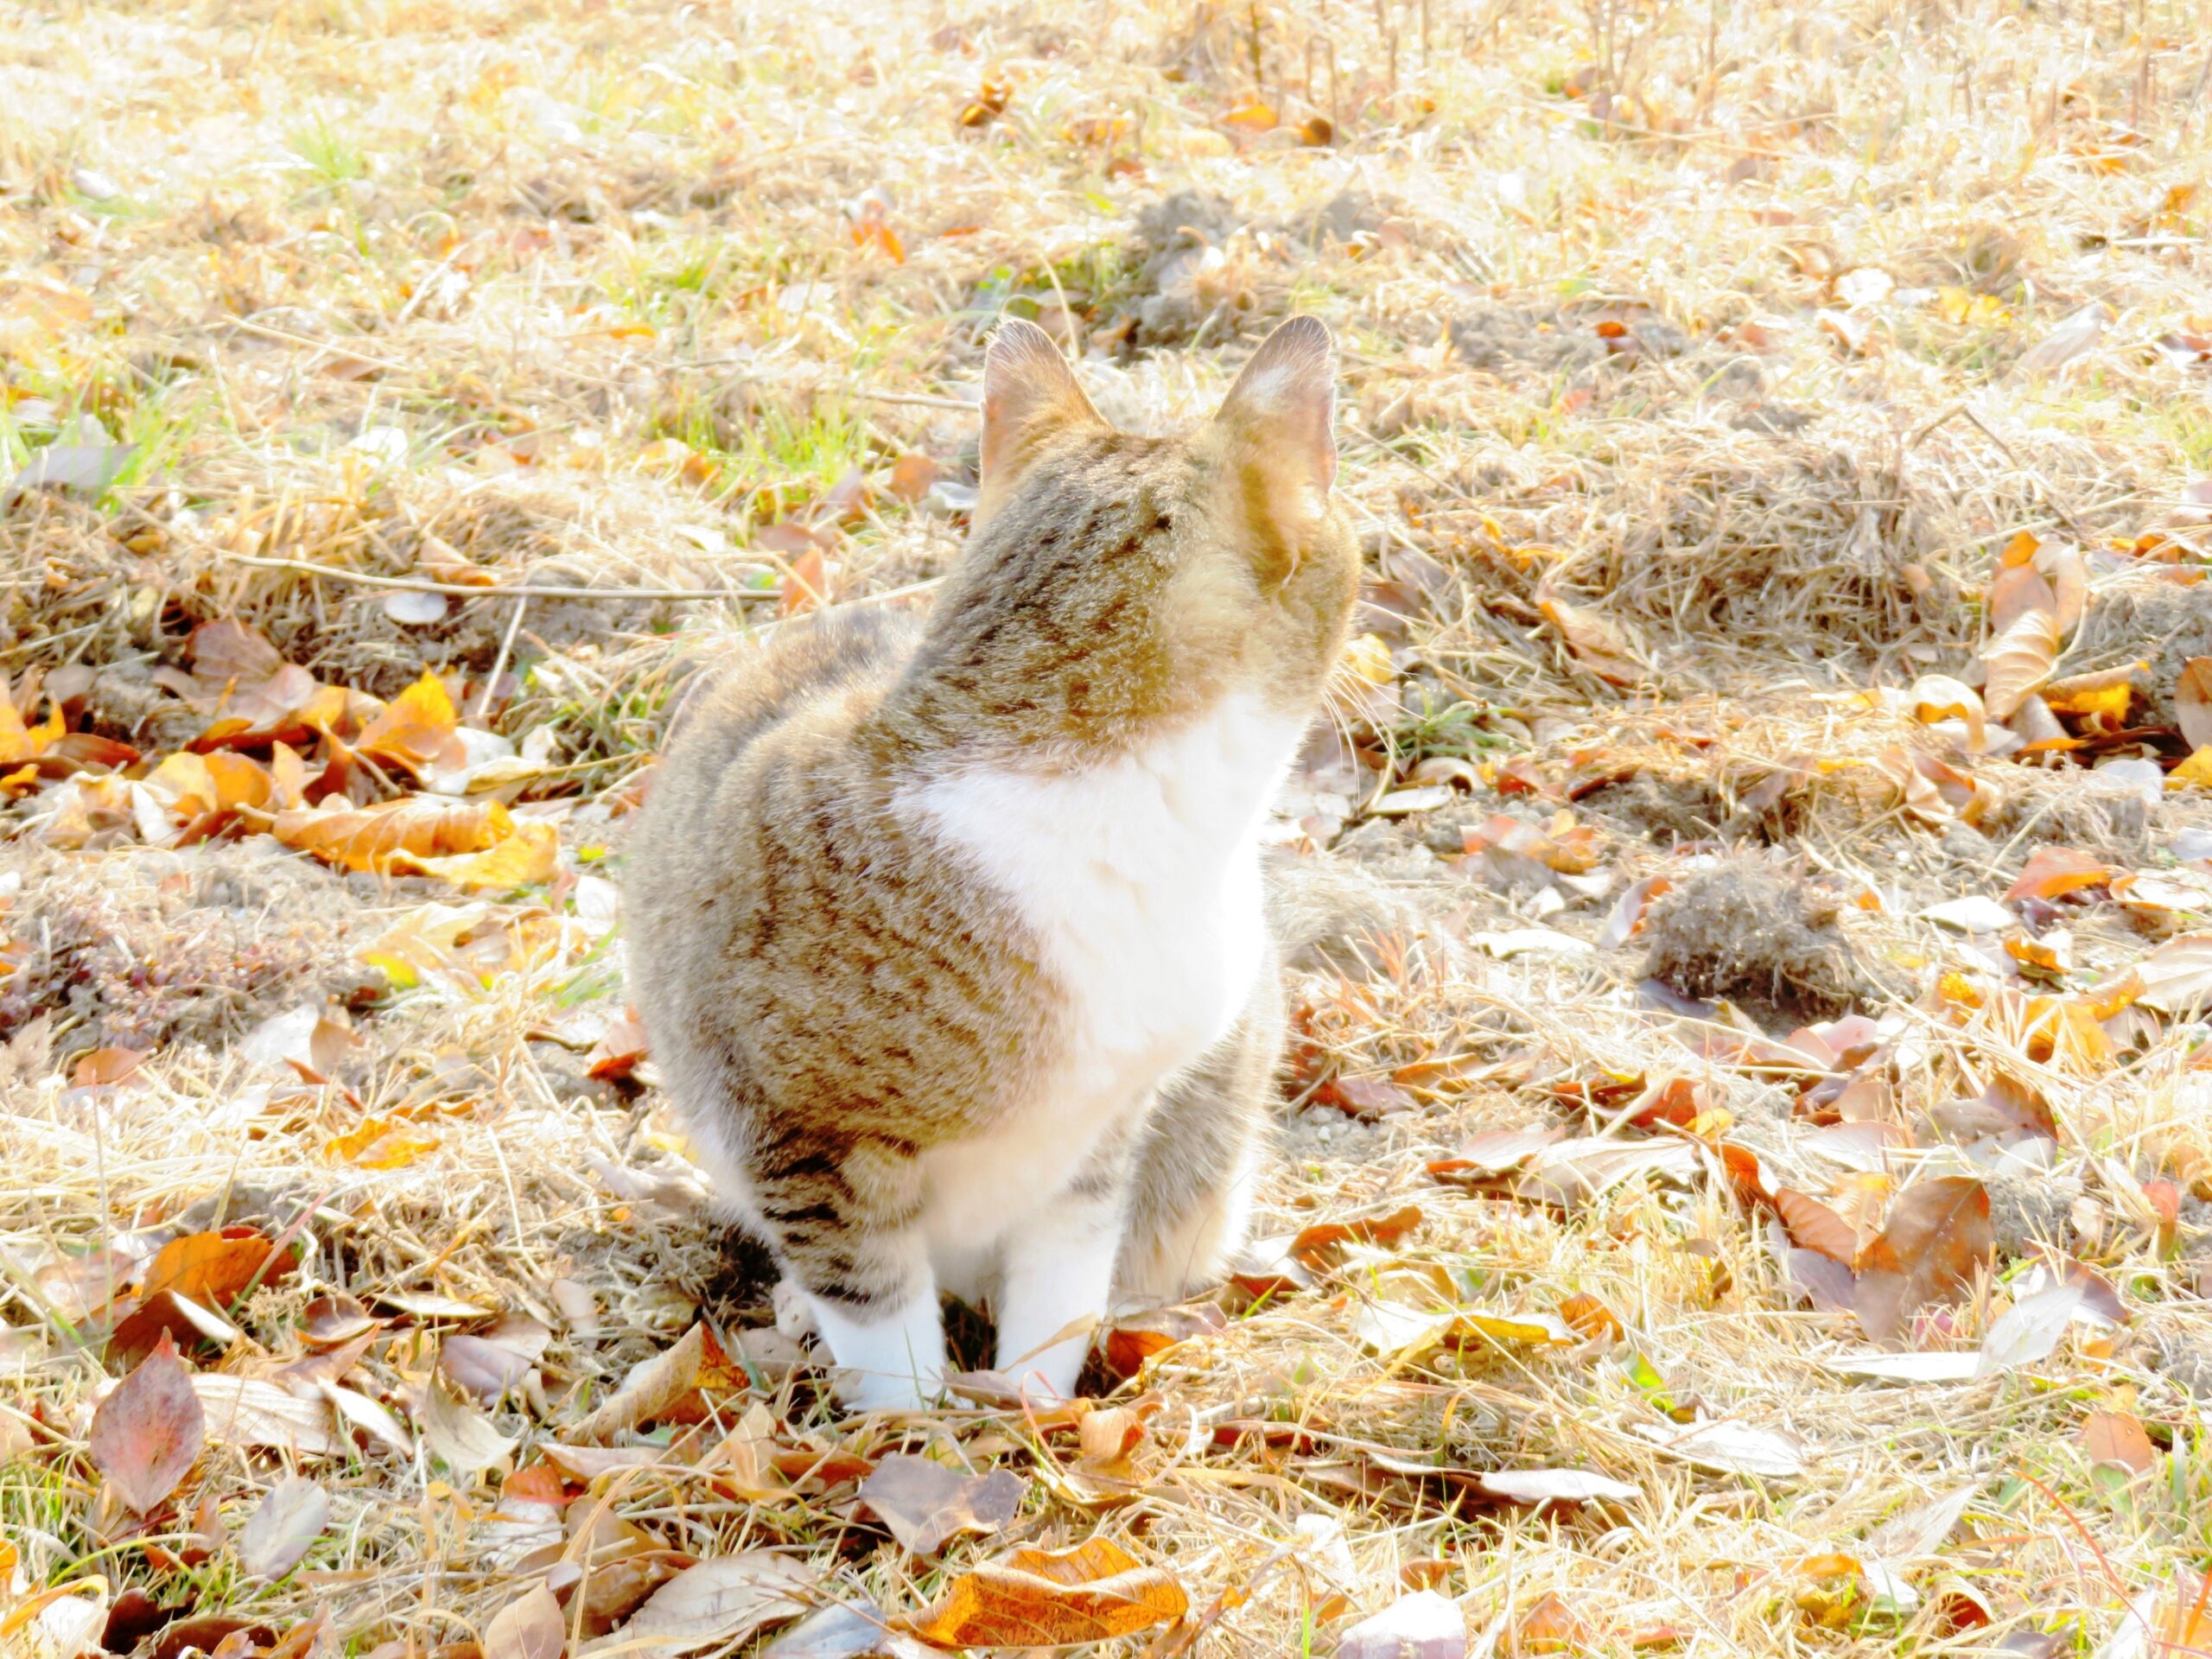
(212, 1268)
(2051, 871)
(381, 837)
(2118, 1437)
(1096, 1592)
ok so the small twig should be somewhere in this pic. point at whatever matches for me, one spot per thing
(416, 584)
(499, 663)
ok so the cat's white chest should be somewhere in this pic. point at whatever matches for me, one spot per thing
(1139, 877)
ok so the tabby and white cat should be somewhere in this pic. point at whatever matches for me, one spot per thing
(948, 936)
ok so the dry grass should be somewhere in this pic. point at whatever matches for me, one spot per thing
(554, 311)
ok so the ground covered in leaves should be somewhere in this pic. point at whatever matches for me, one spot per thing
(1744, 1182)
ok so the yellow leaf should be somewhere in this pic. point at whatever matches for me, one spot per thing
(1252, 114)
(415, 728)
(378, 1143)
(531, 854)
(2196, 770)
(1369, 656)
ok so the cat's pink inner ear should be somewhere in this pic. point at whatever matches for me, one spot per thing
(1028, 393)
(1284, 404)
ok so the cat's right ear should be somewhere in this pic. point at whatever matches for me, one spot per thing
(1029, 396)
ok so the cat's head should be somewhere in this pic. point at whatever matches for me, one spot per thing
(1213, 562)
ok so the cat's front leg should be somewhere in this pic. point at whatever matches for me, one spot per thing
(1056, 1274)
(845, 1218)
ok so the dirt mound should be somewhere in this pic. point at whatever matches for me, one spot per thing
(1750, 932)
(2146, 619)
(146, 949)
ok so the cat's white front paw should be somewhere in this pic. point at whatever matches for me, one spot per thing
(794, 1310)
(892, 1362)
(863, 1391)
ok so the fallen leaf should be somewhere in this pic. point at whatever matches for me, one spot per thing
(2193, 702)
(1131, 1341)
(283, 1528)
(1314, 1245)
(2030, 1329)
(1939, 1233)
(1626, 917)
(1586, 1316)
(1728, 1447)
(147, 1434)
(2177, 975)
(1554, 1486)
(417, 730)
(481, 1369)
(651, 1386)
(214, 1268)
(249, 1412)
(2018, 661)
(2051, 871)
(2118, 1437)
(845, 1632)
(531, 855)
(1814, 1226)
(393, 835)
(925, 1504)
(1424, 1625)
(459, 1436)
(1096, 1592)
(718, 1603)
(1550, 1625)
(1592, 639)
(528, 1627)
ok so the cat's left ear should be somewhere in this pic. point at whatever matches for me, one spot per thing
(1282, 412)
(1029, 394)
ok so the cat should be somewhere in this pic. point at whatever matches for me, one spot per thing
(948, 936)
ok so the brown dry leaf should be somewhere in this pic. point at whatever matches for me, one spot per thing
(2193, 702)
(1592, 639)
(1314, 1244)
(394, 835)
(650, 1388)
(481, 1369)
(1587, 1316)
(2051, 871)
(717, 1602)
(2020, 661)
(912, 475)
(379, 1143)
(1938, 697)
(1550, 1626)
(1813, 1226)
(1627, 914)
(147, 1434)
(1096, 1592)
(214, 1268)
(245, 1411)
(925, 1504)
(620, 1047)
(104, 1067)
(2118, 1437)
(1939, 1233)
(283, 1529)
(1129, 1342)
(528, 1627)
